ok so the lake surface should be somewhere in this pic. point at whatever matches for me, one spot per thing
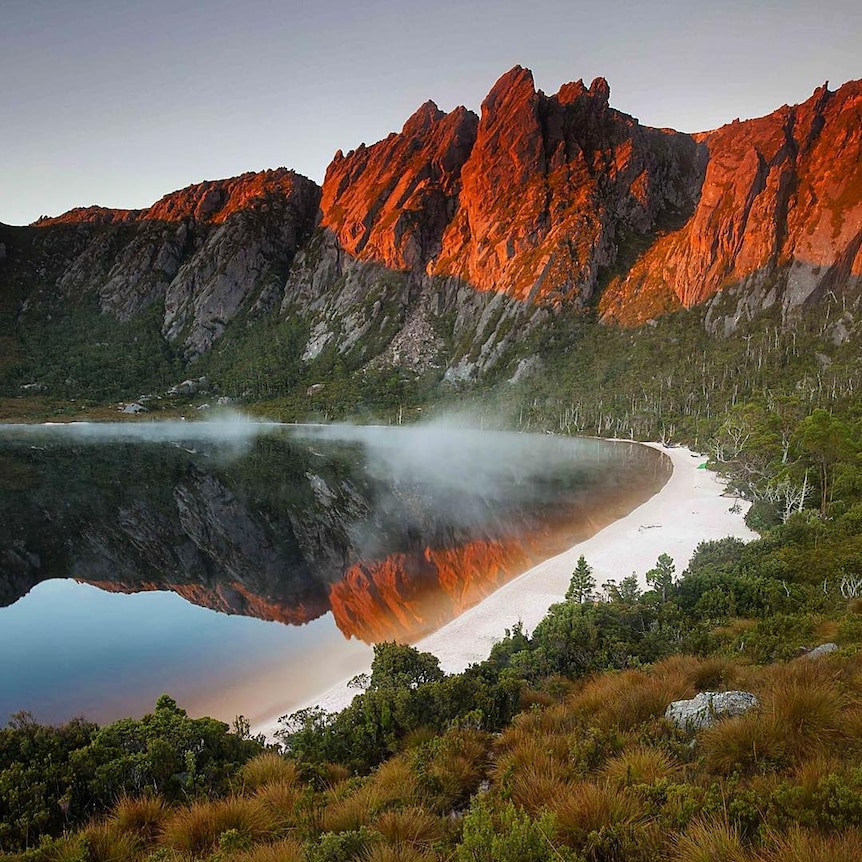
(244, 567)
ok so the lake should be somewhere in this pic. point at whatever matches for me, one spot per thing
(244, 567)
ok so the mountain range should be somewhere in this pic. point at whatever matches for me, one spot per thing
(443, 246)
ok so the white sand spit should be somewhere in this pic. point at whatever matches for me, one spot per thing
(689, 508)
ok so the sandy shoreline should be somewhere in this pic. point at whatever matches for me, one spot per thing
(687, 510)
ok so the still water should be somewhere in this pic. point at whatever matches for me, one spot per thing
(244, 567)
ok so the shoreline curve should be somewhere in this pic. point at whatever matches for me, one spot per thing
(688, 509)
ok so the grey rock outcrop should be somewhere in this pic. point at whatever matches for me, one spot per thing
(708, 707)
(823, 649)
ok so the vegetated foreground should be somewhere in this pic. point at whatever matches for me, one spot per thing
(556, 746)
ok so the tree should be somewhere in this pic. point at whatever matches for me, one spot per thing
(826, 440)
(401, 666)
(661, 577)
(582, 583)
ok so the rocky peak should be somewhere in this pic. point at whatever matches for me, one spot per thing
(423, 119)
(214, 201)
(390, 202)
(550, 182)
(779, 219)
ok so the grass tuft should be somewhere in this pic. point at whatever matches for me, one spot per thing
(268, 768)
(709, 841)
(197, 829)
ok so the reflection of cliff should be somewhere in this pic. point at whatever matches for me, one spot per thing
(285, 533)
(407, 595)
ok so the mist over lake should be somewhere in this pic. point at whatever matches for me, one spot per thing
(244, 566)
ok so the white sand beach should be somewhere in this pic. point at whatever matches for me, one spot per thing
(689, 508)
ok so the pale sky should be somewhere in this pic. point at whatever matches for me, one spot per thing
(118, 102)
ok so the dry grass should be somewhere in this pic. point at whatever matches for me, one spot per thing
(799, 845)
(741, 743)
(281, 800)
(628, 699)
(403, 853)
(282, 851)
(709, 841)
(703, 674)
(639, 764)
(395, 781)
(454, 767)
(581, 809)
(351, 812)
(197, 829)
(268, 768)
(414, 827)
(142, 816)
(106, 843)
(806, 706)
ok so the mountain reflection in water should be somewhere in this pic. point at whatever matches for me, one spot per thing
(393, 530)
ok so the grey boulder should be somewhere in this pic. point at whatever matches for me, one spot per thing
(709, 706)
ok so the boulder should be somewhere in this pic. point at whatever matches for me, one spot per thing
(709, 706)
(823, 649)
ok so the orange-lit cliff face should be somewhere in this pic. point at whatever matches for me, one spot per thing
(391, 202)
(527, 201)
(782, 196)
(405, 596)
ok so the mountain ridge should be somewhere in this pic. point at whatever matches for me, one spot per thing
(442, 246)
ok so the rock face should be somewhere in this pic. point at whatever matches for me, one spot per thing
(392, 201)
(553, 184)
(708, 707)
(441, 246)
(779, 218)
(205, 252)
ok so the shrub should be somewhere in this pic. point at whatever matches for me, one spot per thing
(342, 847)
(503, 833)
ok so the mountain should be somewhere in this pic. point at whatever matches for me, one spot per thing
(440, 249)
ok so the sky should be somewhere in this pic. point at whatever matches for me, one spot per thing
(118, 102)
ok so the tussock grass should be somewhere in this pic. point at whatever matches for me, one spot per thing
(800, 845)
(413, 827)
(197, 829)
(287, 850)
(709, 840)
(628, 699)
(281, 800)
(143, 815)
(402, 853)
(741, 743)
(581, 809)
(268, 768)
(704, 674)
(806, 706)
(353, 811)
(453, 766)
(639, 764)
(395, 781)
(105, 843)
